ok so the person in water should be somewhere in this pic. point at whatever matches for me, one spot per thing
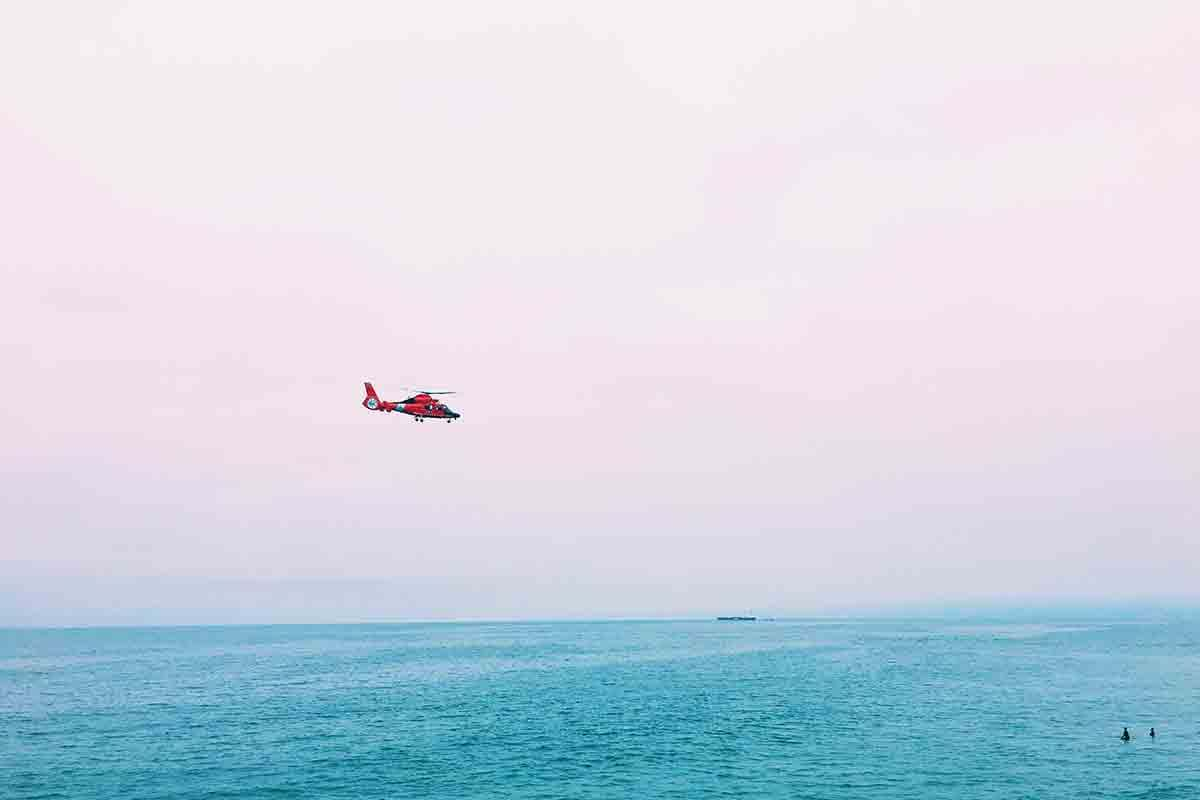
(1125, 735)
(1152, 733)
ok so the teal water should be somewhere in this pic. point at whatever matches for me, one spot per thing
(787, 709)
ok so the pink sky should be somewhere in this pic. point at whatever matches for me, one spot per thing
(775, 311)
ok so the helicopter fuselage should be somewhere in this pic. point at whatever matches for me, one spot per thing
(420, 406)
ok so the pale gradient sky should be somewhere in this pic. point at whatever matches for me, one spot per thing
(775, 308)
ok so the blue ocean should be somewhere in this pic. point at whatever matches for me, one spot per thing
(702, 709)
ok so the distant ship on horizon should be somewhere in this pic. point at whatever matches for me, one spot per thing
(736, 619)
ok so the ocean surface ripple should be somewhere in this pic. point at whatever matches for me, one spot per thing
(779, 709)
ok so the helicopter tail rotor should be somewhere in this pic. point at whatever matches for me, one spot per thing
(372, 399)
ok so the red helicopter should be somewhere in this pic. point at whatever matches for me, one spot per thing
(420, 406)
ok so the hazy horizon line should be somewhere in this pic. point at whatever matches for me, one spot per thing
(1146, 611)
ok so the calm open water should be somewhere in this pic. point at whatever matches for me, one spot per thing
(787, 709)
